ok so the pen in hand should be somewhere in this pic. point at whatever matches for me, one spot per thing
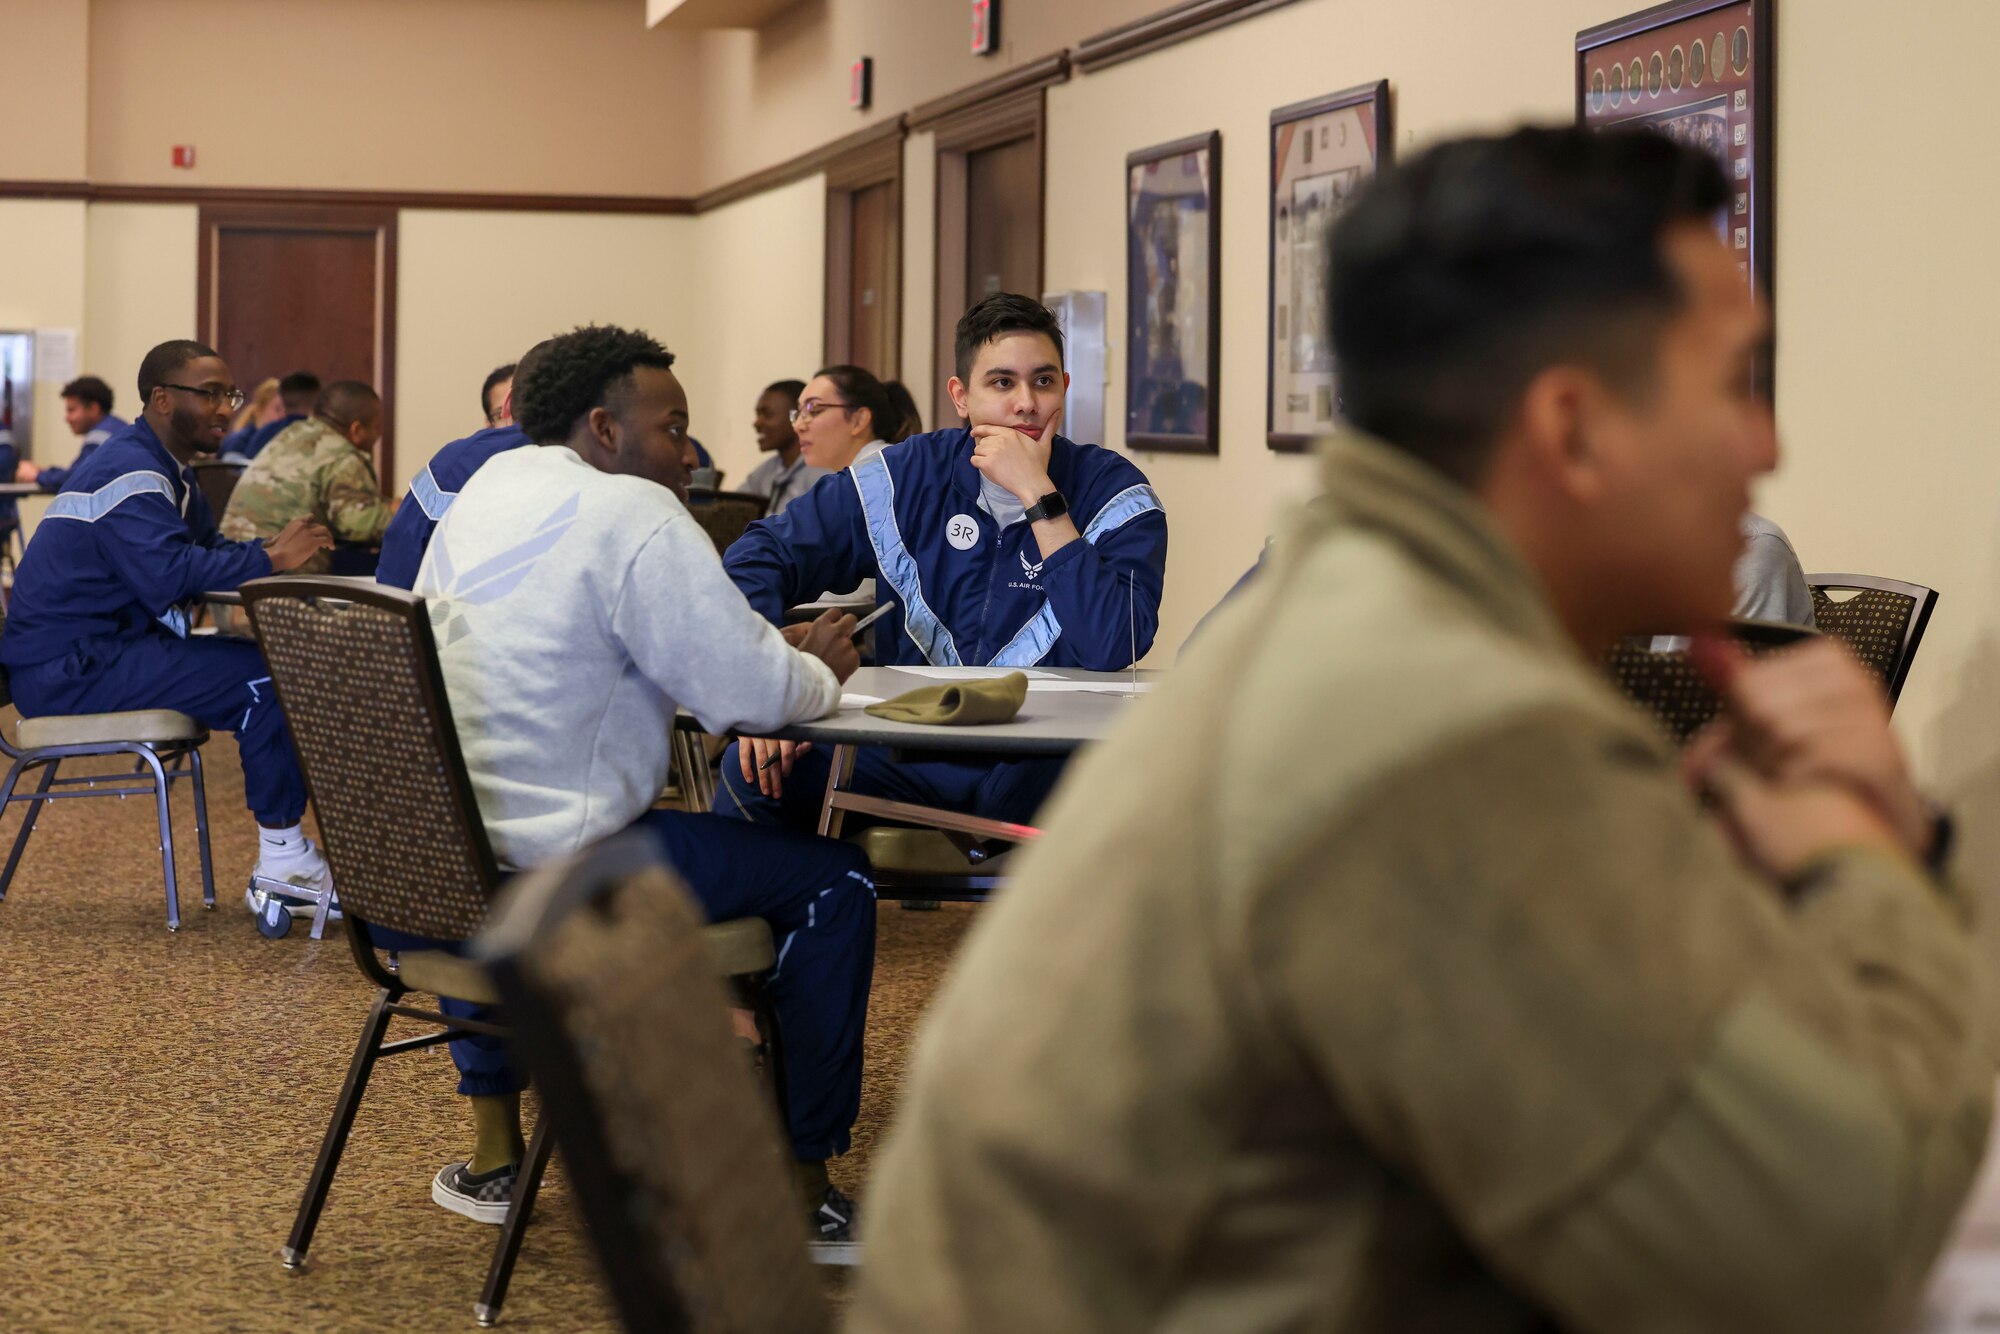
(861, 625)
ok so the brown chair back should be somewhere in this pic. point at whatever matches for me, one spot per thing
(725, 515)
(1883, 622)
(673, 1149)
(356, 672)
(1666, 684)
(217, 479)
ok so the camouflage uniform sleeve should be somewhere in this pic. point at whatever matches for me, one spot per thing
(355, 508)
(252, 507)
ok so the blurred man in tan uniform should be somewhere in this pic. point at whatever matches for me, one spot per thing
(1382, 973)
(320, 469)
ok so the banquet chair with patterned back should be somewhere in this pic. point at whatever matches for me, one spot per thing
(1883, 621)
(356, 671)
(677, 1161)
(724, 515)
(1663, 681)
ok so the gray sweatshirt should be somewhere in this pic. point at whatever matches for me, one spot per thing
(574, 612)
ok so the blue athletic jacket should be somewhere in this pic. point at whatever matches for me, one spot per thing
(967, 592)
(431, 493)
(123, 551)
(52, 479)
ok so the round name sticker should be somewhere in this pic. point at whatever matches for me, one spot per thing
(962, 532)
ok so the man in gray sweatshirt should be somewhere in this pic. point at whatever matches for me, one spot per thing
(577, 605)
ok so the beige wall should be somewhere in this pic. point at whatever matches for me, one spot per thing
(772, 94)
(920, 267)
(475, 290)
(45, 44)
(500, 96)
(759, 288)
(41, 287)
(139, 288)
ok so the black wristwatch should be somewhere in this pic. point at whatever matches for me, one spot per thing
(1050, 506)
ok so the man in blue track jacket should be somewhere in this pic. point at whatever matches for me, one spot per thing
(98, 622)
(438, 483)
(1002, 545)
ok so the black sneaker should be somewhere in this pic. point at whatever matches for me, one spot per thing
(832, 1230)
(482, 1198)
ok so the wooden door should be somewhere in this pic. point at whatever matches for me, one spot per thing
(864, 253)
(1003, 220)
(874, 333)
(989, 210)
(306, 287)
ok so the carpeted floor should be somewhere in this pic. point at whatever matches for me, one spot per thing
(162, 1096)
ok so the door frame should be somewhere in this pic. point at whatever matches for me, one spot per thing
(376, 221)
(878, 161)
(1009, 109)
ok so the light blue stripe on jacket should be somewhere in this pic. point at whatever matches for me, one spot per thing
(893, 560)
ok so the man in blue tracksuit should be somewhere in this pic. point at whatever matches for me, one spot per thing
(87, 412)
(99, 617)
(438, 483)
(1002, 545)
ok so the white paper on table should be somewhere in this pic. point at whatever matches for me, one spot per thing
(859, 701)
(977, 673)
(55, 355)
(1060, 684)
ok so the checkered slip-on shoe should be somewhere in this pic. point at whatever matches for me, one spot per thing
(482, 1198)
(832, 1226)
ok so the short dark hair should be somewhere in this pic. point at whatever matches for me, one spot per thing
(89, 389)
(299, 390)
(996, 316)
(1457, 277)
(587, 368)
(493, 377)
(166, 361)
(345, 402)
(789, 388)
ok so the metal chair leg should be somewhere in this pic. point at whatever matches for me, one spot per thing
(487, 1310)
(166, 819)
(349, 1102)
(759, 996)
(28, 820)
(201, 829)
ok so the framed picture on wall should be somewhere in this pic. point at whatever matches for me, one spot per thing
(1700, 72)
(1173, 305)
(1321, 153)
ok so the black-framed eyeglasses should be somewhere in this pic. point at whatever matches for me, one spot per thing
(233, 397)
(812, 407)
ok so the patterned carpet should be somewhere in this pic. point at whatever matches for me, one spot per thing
(162, 1096)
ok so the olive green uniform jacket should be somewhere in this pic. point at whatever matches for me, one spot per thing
(1380, 974)
(308, 471)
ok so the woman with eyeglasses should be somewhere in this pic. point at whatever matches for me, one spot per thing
(784, 476)
(845, 414)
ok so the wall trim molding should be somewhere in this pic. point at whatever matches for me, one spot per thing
(1029, 78)
(811, 162)
(1166, 28)
(97, 193)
